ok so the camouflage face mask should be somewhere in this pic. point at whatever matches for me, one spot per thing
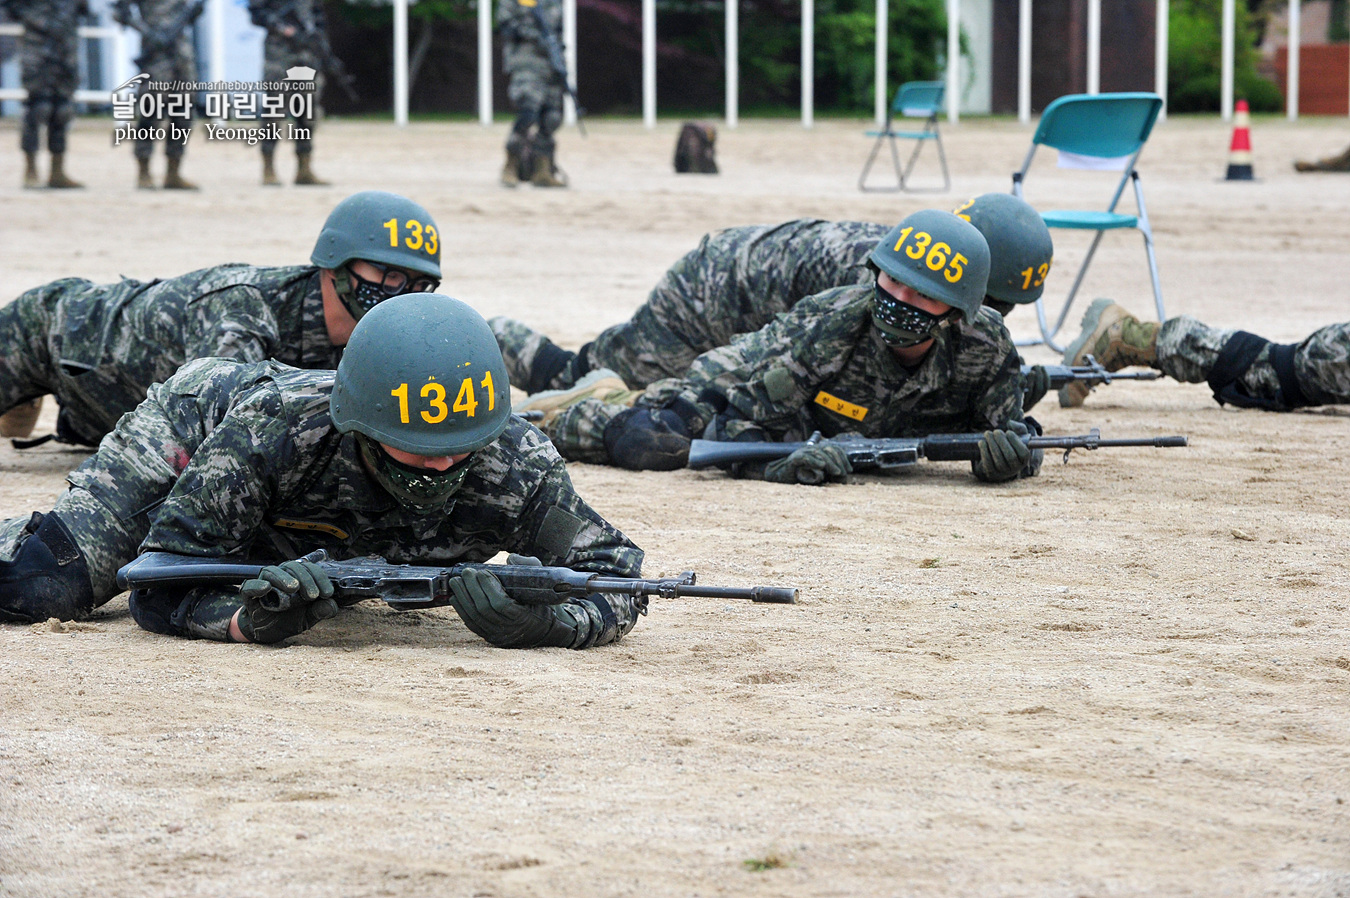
(359, 295)
(902, 325)
(421, 487)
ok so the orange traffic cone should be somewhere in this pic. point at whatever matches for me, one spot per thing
(1240, 150)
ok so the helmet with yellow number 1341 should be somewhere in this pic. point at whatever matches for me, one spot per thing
(422, 373)
(938, 255)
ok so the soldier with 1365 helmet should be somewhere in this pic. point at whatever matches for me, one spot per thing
(408, 451)
(99, 347)
(739, 278)
(911, 354)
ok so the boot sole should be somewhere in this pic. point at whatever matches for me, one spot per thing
(1091, 318)
(586, 383)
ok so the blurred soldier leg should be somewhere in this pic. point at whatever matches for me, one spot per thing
(1330, 163)
(545, 171)
(50, 74)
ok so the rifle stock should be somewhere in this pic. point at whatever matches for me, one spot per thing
(407, 586)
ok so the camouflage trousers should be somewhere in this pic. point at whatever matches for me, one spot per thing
(537, 98)
(279, 54)
(1187, 350)
(38, 349)
(50, 74)
(578, 431)
(112, 494)
(695, 307)
(179, 65)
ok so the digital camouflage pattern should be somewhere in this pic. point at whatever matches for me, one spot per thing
(535, 89)
(177, 62)
(733, 283)
(282, 50)
(822, 366)
(99, 347)
(275, 480)
(49, 54)
(1187, 349)
(113, 494)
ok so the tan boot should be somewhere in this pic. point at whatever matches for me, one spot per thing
(143, 178)
(545, 173)
(270, 178)
(58, 178)
(175, 181)
(31, 179)
(304, 174)
(511, 170)
(18, 422)
(1115, 338)
(602, 384)
(1330, 163)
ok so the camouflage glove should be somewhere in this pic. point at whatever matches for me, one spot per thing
(487, 610)
(812, 464)
(1035, 385)
(279, 587)
(1003, 455)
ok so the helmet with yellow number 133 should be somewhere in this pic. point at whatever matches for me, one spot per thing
(1020, 248)
(422, 373)
(391, 232)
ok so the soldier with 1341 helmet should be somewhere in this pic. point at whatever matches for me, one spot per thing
(738, 279)
(99, 347)
(910, 355)
(408, 451)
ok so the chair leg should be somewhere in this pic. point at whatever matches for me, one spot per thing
(862, 179)
(1146, 229)
(942, 157)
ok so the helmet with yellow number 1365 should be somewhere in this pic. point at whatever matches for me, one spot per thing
(938, 255)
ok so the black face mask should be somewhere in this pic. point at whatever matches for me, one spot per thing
(421, 487)
(902, 325)
(359, 295)
(998, 305)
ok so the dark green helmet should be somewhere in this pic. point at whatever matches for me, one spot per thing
(422, 373)
(940, 256)
(1020, 248)
(380, 227)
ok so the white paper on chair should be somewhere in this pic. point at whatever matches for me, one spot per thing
(1093, 163)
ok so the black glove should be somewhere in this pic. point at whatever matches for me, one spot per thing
(1003, 455)
(811, 464)
(1035, 384)
(487, 610)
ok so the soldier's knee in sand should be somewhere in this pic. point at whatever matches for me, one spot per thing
(47, 575)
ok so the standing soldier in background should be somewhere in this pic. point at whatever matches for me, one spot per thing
(528, 28)
(50, 52)
(293, 29)
(166, 55)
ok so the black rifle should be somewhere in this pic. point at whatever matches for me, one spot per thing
(289, 15)
(156, 41)
(406, 586)
(889, 454)
(1090, 372)
(555, 59)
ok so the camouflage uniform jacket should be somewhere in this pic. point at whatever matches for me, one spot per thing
(275, 480)
(524, 47)
(823, 367)
(118, 339)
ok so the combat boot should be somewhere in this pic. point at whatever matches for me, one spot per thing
(18, 422)
(270, 178)
(1330, 163)
(545, 172)
(30, 173)
(143, 179)
(58, 178)
(601, 384)
(304, 175)
(1115, 338)
(511, 170)
(175, 181)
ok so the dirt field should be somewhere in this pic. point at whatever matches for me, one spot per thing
(1129, 676)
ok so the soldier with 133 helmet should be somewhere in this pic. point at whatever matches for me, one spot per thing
(99, 347)
(408, 451)
(910, 355)
(739, 279)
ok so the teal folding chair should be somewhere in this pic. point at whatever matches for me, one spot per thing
(914, 99)
(1102, 132)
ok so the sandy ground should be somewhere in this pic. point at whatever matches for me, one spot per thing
(1129, 676)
